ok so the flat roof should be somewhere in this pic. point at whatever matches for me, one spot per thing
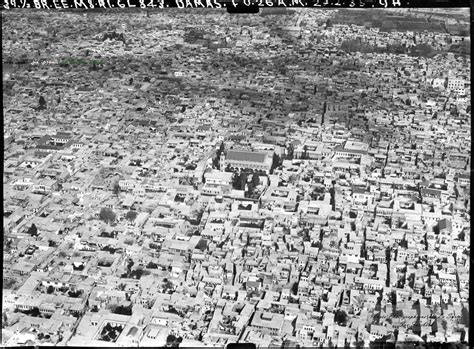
(63, 134)
(242, 155)
(354, 145)
(269, 320)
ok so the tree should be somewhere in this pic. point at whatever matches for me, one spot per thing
(152, 265)
(360, 343)
(243, 181)
(130, 265)
(294, 288)
(255, 179)
(74, 294)
(167, 285)
(107, 215)
(462, 48)
(131, 215)
(422, 50)
(290, 151)
(42, 102)
(236, 181)
(351, 45)
(172, 341)
(122, 310)
(465, 317)
(33, 231)
(340, 317)
(202, 245)
(396, 48)
(116, 188)
(50, 289)
(275, 163)
(392, 298)
(305, 152)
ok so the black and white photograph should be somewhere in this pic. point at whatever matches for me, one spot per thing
(188, 177)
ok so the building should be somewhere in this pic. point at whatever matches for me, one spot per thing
(456, 85)
(269, 323)
(218, 178)
(351, 150)
(61, 138)
(243, 159)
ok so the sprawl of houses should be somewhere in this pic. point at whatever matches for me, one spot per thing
(252, 182)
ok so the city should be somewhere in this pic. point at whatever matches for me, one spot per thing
(190, 178)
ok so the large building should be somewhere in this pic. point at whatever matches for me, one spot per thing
(242, 159)
(351, 150)
(456, 85)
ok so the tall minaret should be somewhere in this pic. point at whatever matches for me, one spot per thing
(222, 162)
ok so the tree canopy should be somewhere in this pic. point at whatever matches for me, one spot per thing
(340, 317)
(107, 215)
(202, 245)
(173, 341)
(42, 102)
(131, 215)
(116, 188)
(294, 288)
(465, 317)
(122, 310)
(33, 231)
(239, 181)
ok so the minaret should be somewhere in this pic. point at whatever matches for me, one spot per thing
(222, 162)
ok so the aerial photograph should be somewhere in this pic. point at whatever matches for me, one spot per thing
(293, 178)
